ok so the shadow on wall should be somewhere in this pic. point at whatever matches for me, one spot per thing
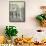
(34, 22)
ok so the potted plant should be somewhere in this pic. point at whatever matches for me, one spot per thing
(42, 17)
(10, 31)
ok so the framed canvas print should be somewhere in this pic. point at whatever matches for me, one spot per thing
(16, 11)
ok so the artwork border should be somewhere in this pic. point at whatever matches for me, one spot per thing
(24, 11)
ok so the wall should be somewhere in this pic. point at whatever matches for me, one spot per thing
(32, 8)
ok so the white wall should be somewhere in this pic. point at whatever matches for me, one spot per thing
(32, 8)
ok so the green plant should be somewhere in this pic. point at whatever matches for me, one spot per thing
(11, 31)
(41, 17)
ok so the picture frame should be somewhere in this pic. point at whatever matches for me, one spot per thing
(16, 11)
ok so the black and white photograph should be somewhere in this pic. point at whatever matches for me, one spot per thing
(16, 11)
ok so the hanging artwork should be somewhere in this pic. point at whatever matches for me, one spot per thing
(16, 11)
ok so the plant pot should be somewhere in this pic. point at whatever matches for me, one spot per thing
(43, 23)
(13, 38)
(9, 41)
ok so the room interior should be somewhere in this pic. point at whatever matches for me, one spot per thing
(29, 33)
